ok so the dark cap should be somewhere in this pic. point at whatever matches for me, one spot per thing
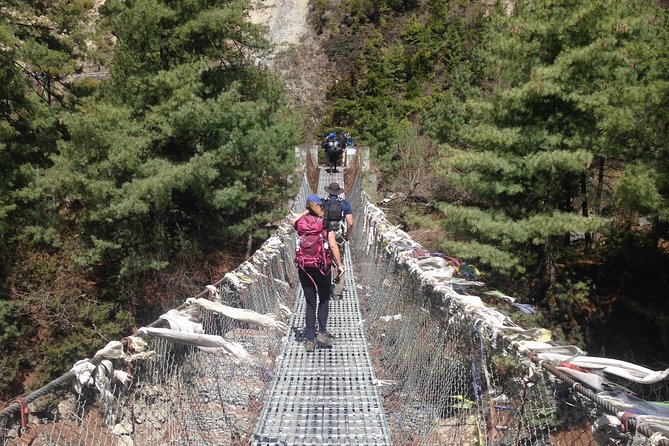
(334, 189)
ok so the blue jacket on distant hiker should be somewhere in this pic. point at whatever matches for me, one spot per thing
(339, 219)
(338, 212)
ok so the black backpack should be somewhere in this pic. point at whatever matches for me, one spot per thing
(328, 144)
(334, 212)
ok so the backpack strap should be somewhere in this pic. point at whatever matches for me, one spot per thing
(326, 207)
(309, 276)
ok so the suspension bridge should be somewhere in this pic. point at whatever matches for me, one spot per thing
(419, 358)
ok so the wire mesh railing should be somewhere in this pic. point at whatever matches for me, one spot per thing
(460, 372)
(449, 370)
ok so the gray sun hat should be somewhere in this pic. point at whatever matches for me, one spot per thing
(334, 189)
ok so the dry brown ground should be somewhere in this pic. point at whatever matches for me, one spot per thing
(298, 58)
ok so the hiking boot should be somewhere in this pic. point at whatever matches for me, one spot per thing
(324, 338)
(310, 346)
(338, 289)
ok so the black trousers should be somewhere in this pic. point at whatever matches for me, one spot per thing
(334, 155)
(315, 283)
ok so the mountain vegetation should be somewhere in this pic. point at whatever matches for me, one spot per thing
(529, 138)
(116, 191)
(143, 153)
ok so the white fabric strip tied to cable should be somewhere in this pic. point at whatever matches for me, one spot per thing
(496, 320)
(658, 424)
(101, 375)
(286, 312)
(591, 380)
(238, 282)
(627, 370)
(208, 343)
(181, 321)
(241, 314)
(576, 356)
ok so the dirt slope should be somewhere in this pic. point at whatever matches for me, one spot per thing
(298, 56)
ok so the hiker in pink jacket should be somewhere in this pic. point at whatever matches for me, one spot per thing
(315, 250)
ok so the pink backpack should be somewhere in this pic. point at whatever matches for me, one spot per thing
(311, 250)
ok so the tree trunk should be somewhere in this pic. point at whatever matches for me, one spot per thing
(584, 205)
(249, 245)
(48, 89)
(549, 265)
(600, 187)
(567, 205)
(599, 190)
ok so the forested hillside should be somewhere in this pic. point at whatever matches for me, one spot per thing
(529, 138)
(121, 191)
(143, 152)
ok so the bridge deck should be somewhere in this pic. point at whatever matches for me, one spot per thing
(327, 397)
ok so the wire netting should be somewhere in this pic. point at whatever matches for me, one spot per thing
(446, 377)
(451, 378)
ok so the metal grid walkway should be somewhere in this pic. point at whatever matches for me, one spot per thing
(327, 397)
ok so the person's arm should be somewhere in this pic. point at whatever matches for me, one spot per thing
(294, 220)
(348, 216)
(332, 241)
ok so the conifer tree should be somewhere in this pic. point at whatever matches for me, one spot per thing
(38, 41)
(576, 85)
(187, 141)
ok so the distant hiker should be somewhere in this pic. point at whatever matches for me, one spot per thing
(348, 139)
(315, 250)
(339, 218)
(349, 148)
(331, 140)
(333, 149)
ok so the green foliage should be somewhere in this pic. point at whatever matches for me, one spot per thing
(203, 141)
(13, 340)
(498, 227)
(57, 314)
(85, 87)
(90, 325)
(545, 119)
(156, 36)
(13, 328)
(45, 236)
(637, 190)
(571, 293)
(320, 7)
(393, 71)
(523, 150)
(569, 299)
(497, 260)
(26, 120)
(187, 145)
(38, 43)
